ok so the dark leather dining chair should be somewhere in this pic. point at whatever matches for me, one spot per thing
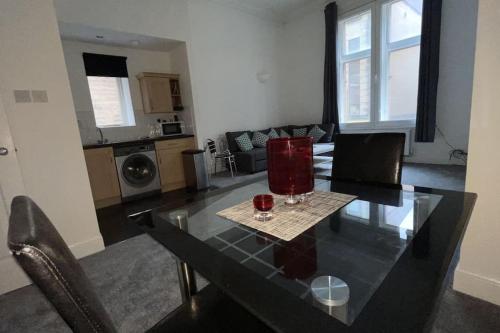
(375, 158)
(45, 257)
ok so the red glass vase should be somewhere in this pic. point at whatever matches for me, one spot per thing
(290, 167)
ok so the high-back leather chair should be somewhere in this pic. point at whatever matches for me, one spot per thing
(375, 158)
(45, 257)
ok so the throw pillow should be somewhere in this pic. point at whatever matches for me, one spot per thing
(273, 134)
(299, 131)
(259, 139)
(316, 133)
(328, 128)
(284, 134)
(244, 142)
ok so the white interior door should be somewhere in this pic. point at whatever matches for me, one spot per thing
(11, 184)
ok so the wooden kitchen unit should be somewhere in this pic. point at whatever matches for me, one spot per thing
(103, 176)
(170, 163)
(160, 92)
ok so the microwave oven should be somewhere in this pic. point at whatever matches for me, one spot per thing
(172, 128)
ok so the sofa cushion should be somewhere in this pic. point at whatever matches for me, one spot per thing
(260, 153)
(284, 134)
(273, 134)
(244, 142)
(328, 128)
(256, 154)
(316, 133)
(231, 140)
(300, 131)
(259, 139)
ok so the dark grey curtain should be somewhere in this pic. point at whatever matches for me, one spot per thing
(330, 108)
(429, 71)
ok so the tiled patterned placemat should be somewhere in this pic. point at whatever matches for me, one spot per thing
(289, 222)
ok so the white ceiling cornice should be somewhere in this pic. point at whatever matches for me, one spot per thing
(313, 5)
(262, 13)
(276, 11)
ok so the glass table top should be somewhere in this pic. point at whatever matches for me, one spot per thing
(359, 244)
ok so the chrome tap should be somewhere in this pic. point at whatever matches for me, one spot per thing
(103, 140)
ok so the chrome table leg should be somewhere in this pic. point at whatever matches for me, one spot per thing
(187, 279)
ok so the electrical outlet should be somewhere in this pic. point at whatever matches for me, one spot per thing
(39, 96)
(22, 96)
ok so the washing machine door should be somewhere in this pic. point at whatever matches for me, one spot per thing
(138, 170)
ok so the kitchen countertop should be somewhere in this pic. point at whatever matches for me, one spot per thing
(134, 142)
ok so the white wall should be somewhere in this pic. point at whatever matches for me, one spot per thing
(302, 60)
(45, 134)
(137, 61)
(228, 49)
(301, 67)
(478, 273)
(458, 38)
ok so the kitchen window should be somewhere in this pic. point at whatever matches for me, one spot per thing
(111, 101)
(378, 64)
(107, 77)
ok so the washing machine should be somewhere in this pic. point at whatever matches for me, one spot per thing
(137, 171)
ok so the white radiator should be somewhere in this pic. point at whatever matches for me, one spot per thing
(406, 131)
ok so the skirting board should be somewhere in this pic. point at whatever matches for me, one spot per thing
(13, 277)
(477, 286)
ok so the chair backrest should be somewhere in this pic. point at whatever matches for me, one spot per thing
(369, 158)
(211, 146)
(45, 257)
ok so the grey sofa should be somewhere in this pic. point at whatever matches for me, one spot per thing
(255, 160)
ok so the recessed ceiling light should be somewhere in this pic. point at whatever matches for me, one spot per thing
(135, 42)
(99, 37)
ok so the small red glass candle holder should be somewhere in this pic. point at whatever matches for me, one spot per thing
(263, 207)
(290, 169)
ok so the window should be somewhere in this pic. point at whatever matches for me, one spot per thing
(111, 101)
(107, 77)
(355, 69)
(378, 83)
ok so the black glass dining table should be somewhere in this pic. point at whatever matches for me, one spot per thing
(393, 247)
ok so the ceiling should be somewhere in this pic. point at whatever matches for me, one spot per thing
(88, 34)
(278, 10)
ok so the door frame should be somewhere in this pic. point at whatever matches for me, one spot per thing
(11, 185)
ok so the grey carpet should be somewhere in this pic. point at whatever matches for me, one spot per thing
(137, 281)
(224, 179)
(461, 313)
(448, 177)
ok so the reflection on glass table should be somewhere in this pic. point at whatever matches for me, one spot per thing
(360, 243)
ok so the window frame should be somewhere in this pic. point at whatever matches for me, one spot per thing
(352, 57)
(378, 28)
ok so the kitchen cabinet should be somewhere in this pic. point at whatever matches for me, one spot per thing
(160, 92)
(103, 176)
(170, 162)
